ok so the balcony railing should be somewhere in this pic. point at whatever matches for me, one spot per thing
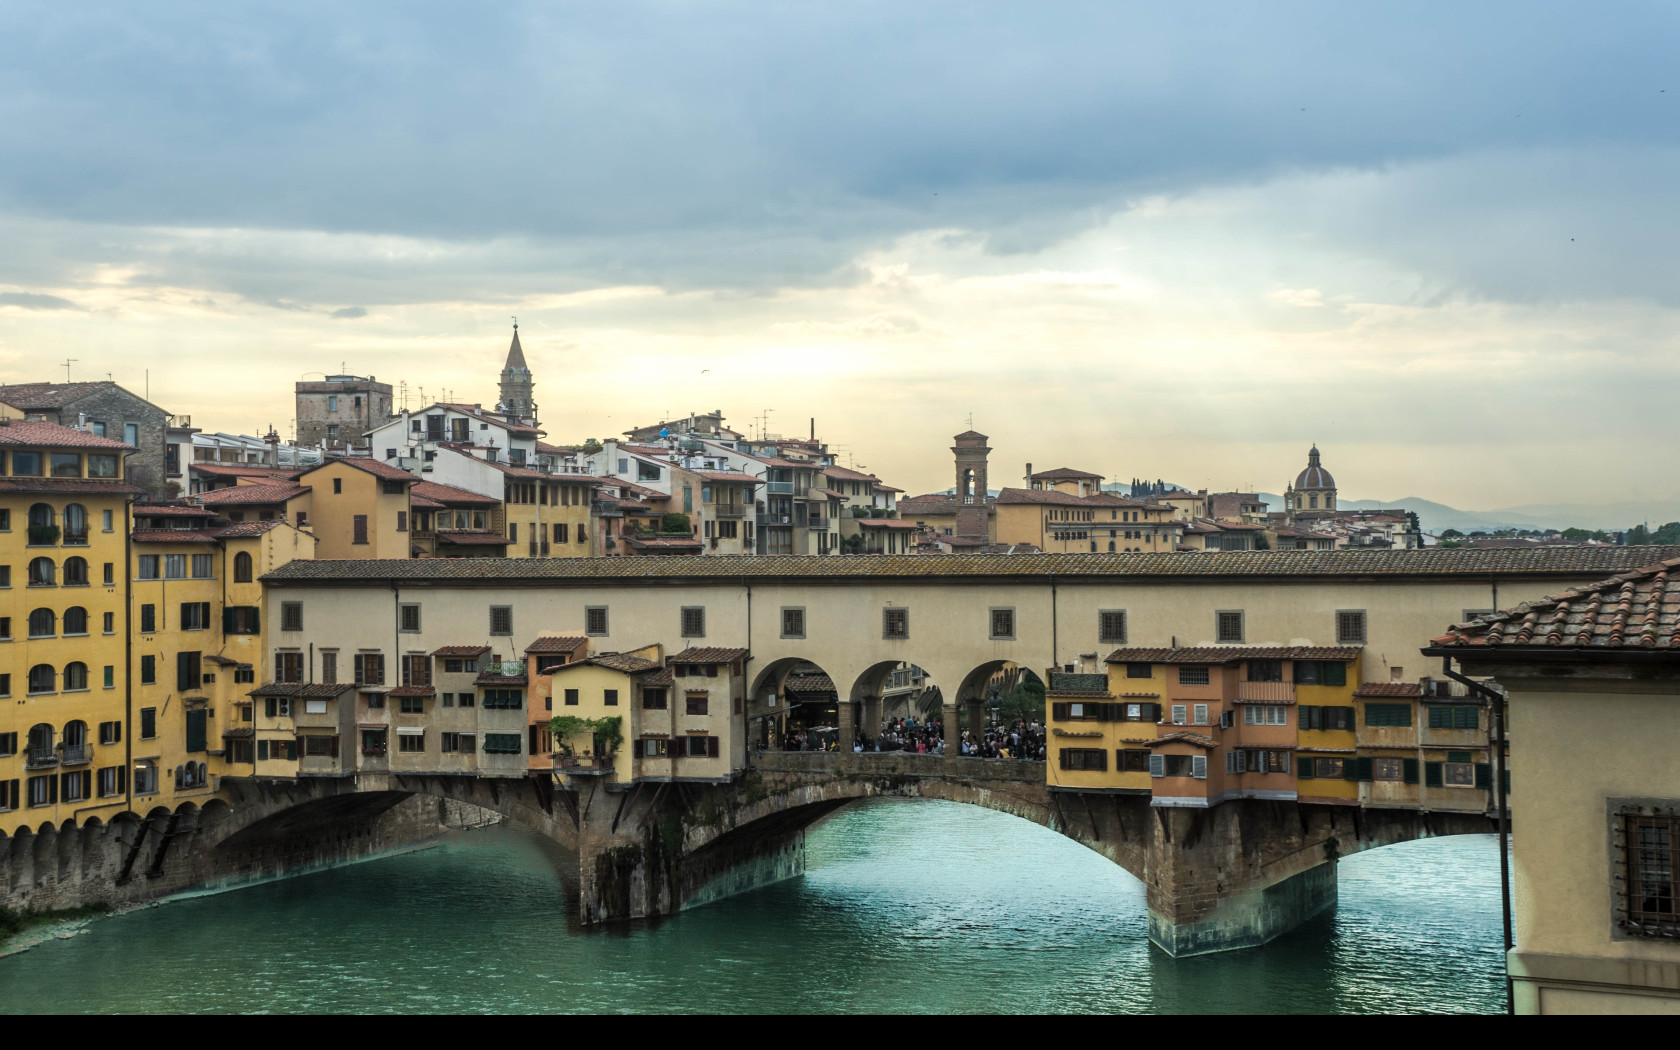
(41, 758)
(817, 523)
(765, 518)
(730, 510)
(77, 754)
(588, 765)
(76, 539)
(779, 488)
(1278, 692)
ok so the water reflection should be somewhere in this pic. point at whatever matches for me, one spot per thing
(907, 906)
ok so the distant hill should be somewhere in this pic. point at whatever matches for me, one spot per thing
(1434, 517)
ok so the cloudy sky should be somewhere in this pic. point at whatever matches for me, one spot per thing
(1166, 240)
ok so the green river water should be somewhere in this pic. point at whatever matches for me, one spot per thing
(905, 907)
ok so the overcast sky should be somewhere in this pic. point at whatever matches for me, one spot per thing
(1175, 240)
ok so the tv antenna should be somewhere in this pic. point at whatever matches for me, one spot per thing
(67, 362)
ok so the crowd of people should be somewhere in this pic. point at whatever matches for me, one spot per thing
(1019, 739)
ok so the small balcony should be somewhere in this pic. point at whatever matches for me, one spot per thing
(767, 518)
(819, 524)
(75, 539)
(730, 510)
(41, 758)
(583, 765)
(77, 754)
(779, 488)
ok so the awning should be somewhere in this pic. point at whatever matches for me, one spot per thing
(410, 731)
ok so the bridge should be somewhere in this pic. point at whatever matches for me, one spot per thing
(1235, 872)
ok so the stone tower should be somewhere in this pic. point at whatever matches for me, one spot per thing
(518, 399)
(971, 452)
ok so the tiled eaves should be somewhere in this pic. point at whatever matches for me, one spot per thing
(1635, 611)
(1224, 566)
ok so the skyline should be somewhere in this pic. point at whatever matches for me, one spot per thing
(1132, 242)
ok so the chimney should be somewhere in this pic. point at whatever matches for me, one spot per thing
(813, 433)
(1029, 483)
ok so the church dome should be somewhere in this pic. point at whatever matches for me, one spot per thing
(1315, 476)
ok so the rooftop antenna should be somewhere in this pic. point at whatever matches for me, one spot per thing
(67, 362)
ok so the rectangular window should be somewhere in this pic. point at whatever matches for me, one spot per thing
(595, 620)
(413, 705)
(1387, 769)
(653, 699)
(1350, 627)
(245, 674)
(1201, 713)
(1111, 626)
(1193, 676)
(464, 699)
(147, 567)
(609, 697)
(110, 732)
(793, 623)
(502, 743)
(66, 465)
(1003, 626)
(1647, 854)
(693, 621)
(291, 616)
(1265, 670)
(102, 467)
(358, 528)
(203, 566)
(174, 566)
(195, 616)
(1084, 759)
(109, 578)
(1453, 716)
(1229, 627)
(288, 667)
(148, 670)
(410, 619)
(571, 697)
(1329, 768)
(501, 619)
(370, 668)
(187, 670)
(697, 703)
(895, 623)
(1180, 714)
(1388, 715)
(26, 464)
(1131, 760)
(148, 723)
(110, 676)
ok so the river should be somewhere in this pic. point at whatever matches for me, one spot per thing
(905, 907)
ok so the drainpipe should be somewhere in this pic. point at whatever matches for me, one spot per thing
(1497, 732)
(128, 649)
(746, 680)
(1055, 649)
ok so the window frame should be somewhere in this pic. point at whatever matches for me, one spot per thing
(992, 614)
(796, 610)
(888, 615)
(683, 621)
(1343, 638)
(1103, 634)
(1219, 633)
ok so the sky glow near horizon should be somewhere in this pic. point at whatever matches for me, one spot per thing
(1139, 241)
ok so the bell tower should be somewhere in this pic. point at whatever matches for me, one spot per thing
(971, 452)
(518, 390)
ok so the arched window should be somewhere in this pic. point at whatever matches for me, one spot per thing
(75, 572)
(43, 623)
(75, 620)
(75, 676)
(1111, 546)
(41, 528)
(42, 572)
(41, 678)
(242, 567)
(41, 740)
(75, 734)
(1093, 546)
(75, 525)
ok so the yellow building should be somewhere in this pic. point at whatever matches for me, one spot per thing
(358, 508)
(547, 515)
(1061, 522)
(452, 522)
(1591, 680)
(63, 626)
(1101, 727)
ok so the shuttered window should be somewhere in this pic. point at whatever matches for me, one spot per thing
(1111, 626)
(1198, 766)
(1388, 715)
(197, 729)
(1157, 765)
(370, 668)
(1085, 759)
(502, 743)
(1453, 716)
(187, 671)
(1140, 670)
(358, 528)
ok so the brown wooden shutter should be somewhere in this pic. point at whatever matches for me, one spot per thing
(359, 525)
(711, 747)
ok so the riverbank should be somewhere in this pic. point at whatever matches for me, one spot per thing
(21, 932)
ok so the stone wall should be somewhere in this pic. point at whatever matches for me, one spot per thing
(115, 406)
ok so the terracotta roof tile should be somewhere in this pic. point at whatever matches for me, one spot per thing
(1065, 473)
(449, 495)
(554, 643)
(460, 650)
(1452, 563)
(808, 683)
(246, 495)
(708, 655)
(1401, 689)
(1635, 610)
(378, 468)
(313, 691)
(30, 433)
(1183, 737)
(246, 529)
(412, 690)
(176, 535)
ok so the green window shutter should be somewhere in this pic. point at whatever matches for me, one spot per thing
(227, 619)
(1436, 721)
(1335, 673)
(1484, 775)
(1506, 777)
(262, 751)
(1410, 766)
(1466, 718)
(1432, 774)
(1363, 769)
(1304, 768)
(1350, 769)
(197, 729)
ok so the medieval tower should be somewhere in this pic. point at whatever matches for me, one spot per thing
(518, 397)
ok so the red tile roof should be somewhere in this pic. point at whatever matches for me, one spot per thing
(1104, 500)
(252, 494)
(231, 470)
(846, 474)
(170, 510)
(1224, 654)
(1065, 474)
(728, 476)
(1635, 610)
(809, 683)
(377, 468)
(31, 433)
(412, 690)
(460, 650)
(240, 530)
(708, 655)
(449, 495)
(1401, 689)
(887, 523)
(615, 661)
(32, 397)
(175, 535)
(554, 643)
(1183, 737)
